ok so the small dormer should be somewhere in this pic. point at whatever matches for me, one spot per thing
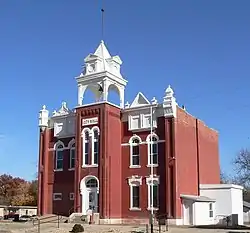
(138, 114)
(63, 121)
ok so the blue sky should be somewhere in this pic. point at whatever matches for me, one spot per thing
(199, 47)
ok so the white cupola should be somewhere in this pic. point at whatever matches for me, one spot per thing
(169, 103)
(43, 118)
(101, 73)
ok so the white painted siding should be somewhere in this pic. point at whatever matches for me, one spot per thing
(237, 208)
(201, 213)
(246, 216)
(228, 200)
(1, 211)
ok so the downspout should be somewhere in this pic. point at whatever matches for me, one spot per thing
(40, 174)
(198, 156)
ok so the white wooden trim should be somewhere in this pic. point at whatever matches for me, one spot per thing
(95, 128)
(143, 143)
(149, 142)
(149, 181)
(134, 181)
(83, 144)
(131, 150)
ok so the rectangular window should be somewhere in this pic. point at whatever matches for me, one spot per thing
(72, 158)
(211, 211)
(57, 196)
(96, 151)
(135, 202)
(59, 160)
(71, 196)
(135, 160)
(155, 196)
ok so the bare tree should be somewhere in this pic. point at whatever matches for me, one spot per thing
(224, 178)
(242, 168)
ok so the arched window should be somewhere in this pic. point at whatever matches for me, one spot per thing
(135, 153)
(59, 156)
(86, 148)
(152, 150)
(72, 156)
(95, 154)
(92, 183)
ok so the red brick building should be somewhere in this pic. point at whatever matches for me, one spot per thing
(96, 158)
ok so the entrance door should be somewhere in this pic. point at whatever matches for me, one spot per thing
(90, 196)
(93, 200)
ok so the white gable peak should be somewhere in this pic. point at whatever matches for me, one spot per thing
(102, 51)
(140, 100)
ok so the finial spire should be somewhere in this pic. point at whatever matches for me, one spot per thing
(102, 10)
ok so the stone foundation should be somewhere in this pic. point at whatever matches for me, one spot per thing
(119, 221)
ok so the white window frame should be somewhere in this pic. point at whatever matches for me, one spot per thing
(131, 150)
(132, 182)
(56, 198)
(58, 144)
(84, 131)
(211, 209)
(155, 181)
(93, 140)
(72, 196)
(148, 140)
(71, 147)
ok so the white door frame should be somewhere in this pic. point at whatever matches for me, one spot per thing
(85, 191)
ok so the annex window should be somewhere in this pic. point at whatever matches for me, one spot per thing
(153, 192)
(211, 210)
(134, 186)
(57, 196)
(59, 156)
(72, 156)
(153, 150)
(95, 151)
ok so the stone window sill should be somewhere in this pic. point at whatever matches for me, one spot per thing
(91, 165)
(154, 165)
(135, 166)
(149, 208)
(135, 209)
(58, 170)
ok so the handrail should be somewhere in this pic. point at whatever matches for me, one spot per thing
(73, 208)
(40, 221)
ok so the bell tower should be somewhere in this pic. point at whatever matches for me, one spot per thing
(101, 74)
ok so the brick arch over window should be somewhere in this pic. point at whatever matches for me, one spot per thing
(59, 148)
(152, 141)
